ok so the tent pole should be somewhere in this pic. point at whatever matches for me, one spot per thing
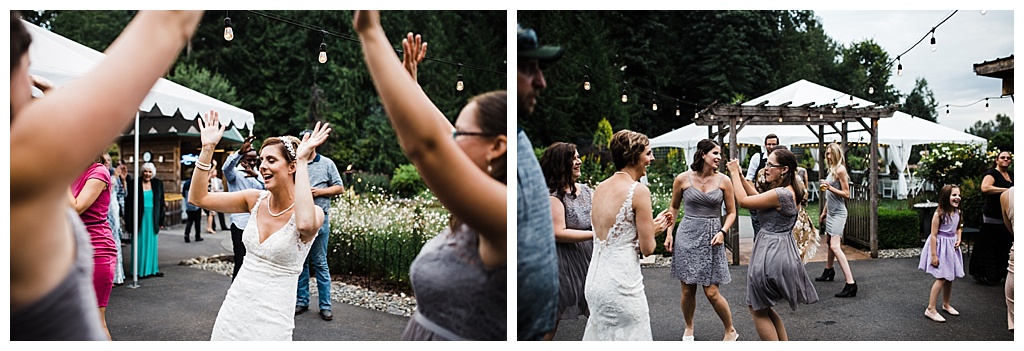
(135, 211)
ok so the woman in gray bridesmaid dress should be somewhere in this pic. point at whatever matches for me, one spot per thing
(574, 235)
(698, 253)
(775, 271)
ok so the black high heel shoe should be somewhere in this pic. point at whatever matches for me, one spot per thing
(829, 274)
(849, 290)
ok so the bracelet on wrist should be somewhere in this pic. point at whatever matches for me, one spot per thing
(203, 166)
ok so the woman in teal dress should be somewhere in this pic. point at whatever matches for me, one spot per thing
(151, 219)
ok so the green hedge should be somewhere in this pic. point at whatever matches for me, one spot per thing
(898, 229)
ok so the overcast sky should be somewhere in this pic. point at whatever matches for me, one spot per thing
(965, 39)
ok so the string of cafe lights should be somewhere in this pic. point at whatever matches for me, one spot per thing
(587, 86)
(898, 60)
(985, 99)
(229, 35)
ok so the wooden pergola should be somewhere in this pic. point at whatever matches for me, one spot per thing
(729, 118)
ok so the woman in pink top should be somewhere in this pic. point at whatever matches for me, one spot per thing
(90, 198)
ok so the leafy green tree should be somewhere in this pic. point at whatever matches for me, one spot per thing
(206, 82)
(603, 134)
(921, 101)
(998, 132)
(863, 67)
(272, 65)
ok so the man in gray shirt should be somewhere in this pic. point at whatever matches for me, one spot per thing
(536, 261)
(325, 182)
(239, 172)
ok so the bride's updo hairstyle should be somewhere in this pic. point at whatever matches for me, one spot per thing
(287, 150)
(627, 146)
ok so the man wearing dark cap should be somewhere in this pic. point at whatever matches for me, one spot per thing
(536, 261)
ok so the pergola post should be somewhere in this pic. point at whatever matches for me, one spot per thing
(873, 191)
(734, 233)
(821, 169)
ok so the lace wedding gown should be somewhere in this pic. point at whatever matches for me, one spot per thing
(615, 287)
(260, 304)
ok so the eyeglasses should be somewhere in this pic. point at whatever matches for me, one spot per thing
(456, 133)
(770, 165)
(1004, 157)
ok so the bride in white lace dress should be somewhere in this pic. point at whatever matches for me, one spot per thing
(624, 227)
(284, 221)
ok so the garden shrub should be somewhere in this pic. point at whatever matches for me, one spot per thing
(898, 229)
(365, 182)
(949, 163)
(406, 181)
(379, 235)
(972, 201)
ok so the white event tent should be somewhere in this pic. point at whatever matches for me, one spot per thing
(61, 60)
(898, 133)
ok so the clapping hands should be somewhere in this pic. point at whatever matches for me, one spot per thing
(662, 221)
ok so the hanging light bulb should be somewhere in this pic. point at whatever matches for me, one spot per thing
(625, 97)
(586, 82)
(984, 12)
(947, 109)
(323, 53)
(229, 34)
(933, 40)
(677, 108)
(821, 115)
(871, 89)
(780, 119)
(460, 85)
(696, 115)
(986, 104)
(834, 109)
(654, 103)
(899, 67)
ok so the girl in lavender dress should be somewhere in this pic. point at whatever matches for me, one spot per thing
(941, 256)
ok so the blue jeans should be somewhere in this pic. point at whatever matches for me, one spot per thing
(318, 258)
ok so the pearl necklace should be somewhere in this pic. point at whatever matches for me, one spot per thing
(271, 212)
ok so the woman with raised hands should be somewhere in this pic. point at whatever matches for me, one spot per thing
(283, 223)
(51, 262)
(775, 272)
(459, 275)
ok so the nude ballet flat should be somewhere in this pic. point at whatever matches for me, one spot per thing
(934, 316)
(952, 311)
